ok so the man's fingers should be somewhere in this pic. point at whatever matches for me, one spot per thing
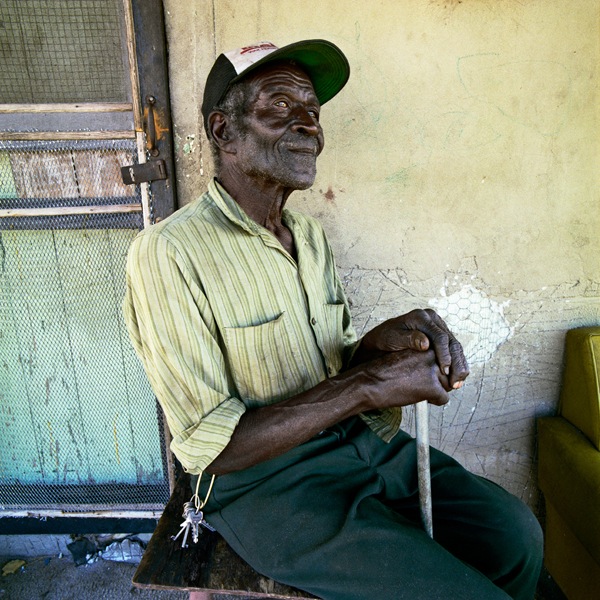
(460, 367)
(405, 339)
(449, 352)
(441, 340)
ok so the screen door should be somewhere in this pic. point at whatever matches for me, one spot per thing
(80, 430)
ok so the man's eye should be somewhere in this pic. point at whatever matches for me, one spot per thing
(314, 114)
(282, 104)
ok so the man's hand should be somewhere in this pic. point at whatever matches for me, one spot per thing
(419, 330)
(402, 378)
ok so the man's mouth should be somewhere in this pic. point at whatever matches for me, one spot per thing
(301, 144)
(311, 150)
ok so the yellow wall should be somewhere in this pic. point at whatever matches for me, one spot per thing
(460, 171)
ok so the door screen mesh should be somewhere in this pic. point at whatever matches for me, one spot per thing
(62, 51)
(79, 423)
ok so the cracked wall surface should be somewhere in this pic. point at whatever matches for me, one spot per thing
(459, 172)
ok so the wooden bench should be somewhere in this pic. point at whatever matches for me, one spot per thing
(206, 568)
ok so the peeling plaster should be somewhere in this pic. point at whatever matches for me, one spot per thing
(189, 148)
(477, 320)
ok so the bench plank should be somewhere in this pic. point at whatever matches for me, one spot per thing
(208, 566)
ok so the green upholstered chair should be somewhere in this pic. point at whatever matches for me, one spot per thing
(569, 470)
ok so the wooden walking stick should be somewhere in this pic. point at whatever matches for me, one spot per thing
(423, 470)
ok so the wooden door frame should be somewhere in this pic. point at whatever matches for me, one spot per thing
(153, 78)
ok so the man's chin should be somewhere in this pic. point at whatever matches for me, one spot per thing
(304, 178)
(291, 179)
(297, 182)
(304, 185)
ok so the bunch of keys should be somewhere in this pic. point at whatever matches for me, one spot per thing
(193, 519)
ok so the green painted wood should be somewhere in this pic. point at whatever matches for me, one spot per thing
(75, 405)
(141, 413)
(19, 456)
(40, 361)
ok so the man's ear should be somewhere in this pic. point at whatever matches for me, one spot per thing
(221, 130)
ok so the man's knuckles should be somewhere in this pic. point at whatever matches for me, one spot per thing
(396, 338)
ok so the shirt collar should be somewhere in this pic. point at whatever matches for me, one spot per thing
(230, 208)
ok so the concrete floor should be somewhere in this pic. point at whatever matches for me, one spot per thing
(50, 572)
(57, 578)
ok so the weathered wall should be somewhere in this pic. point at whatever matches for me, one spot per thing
(460, 172)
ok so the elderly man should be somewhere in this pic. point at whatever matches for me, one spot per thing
(237, 313)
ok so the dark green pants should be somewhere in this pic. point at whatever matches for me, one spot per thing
(339, 517)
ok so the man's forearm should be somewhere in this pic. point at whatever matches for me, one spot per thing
(270, 431)
(394, 379)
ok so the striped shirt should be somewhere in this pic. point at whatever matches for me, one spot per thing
(224, 320)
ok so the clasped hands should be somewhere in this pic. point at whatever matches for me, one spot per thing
(415, 356)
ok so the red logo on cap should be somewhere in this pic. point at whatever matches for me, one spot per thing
(265, 46)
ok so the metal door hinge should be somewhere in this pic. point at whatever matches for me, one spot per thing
(152, 170)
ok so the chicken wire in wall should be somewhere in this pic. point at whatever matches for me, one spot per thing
(79, 423)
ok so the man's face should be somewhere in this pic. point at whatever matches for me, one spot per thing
(281, 136)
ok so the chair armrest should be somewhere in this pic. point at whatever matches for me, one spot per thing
(569, 477)
(580, 394)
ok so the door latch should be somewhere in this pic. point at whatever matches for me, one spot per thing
(153, 170)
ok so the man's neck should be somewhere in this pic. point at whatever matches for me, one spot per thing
(262, 201)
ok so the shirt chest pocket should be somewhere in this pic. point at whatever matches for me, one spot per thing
(267, 364)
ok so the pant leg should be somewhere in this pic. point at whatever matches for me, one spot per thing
(473, 518)
(317, 519)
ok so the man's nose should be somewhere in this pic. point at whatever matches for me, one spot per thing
(305, 123)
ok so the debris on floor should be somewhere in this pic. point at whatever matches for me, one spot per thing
(128, 550)
(83, 551)
(12, 566)
(118, 548)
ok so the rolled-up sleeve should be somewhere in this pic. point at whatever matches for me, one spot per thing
(173, 331)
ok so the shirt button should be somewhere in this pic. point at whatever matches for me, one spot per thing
(313, 321)
(329, 370)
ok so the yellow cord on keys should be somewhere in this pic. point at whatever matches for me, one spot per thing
(196, 499)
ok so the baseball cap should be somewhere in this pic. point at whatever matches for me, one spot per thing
(323, 62)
